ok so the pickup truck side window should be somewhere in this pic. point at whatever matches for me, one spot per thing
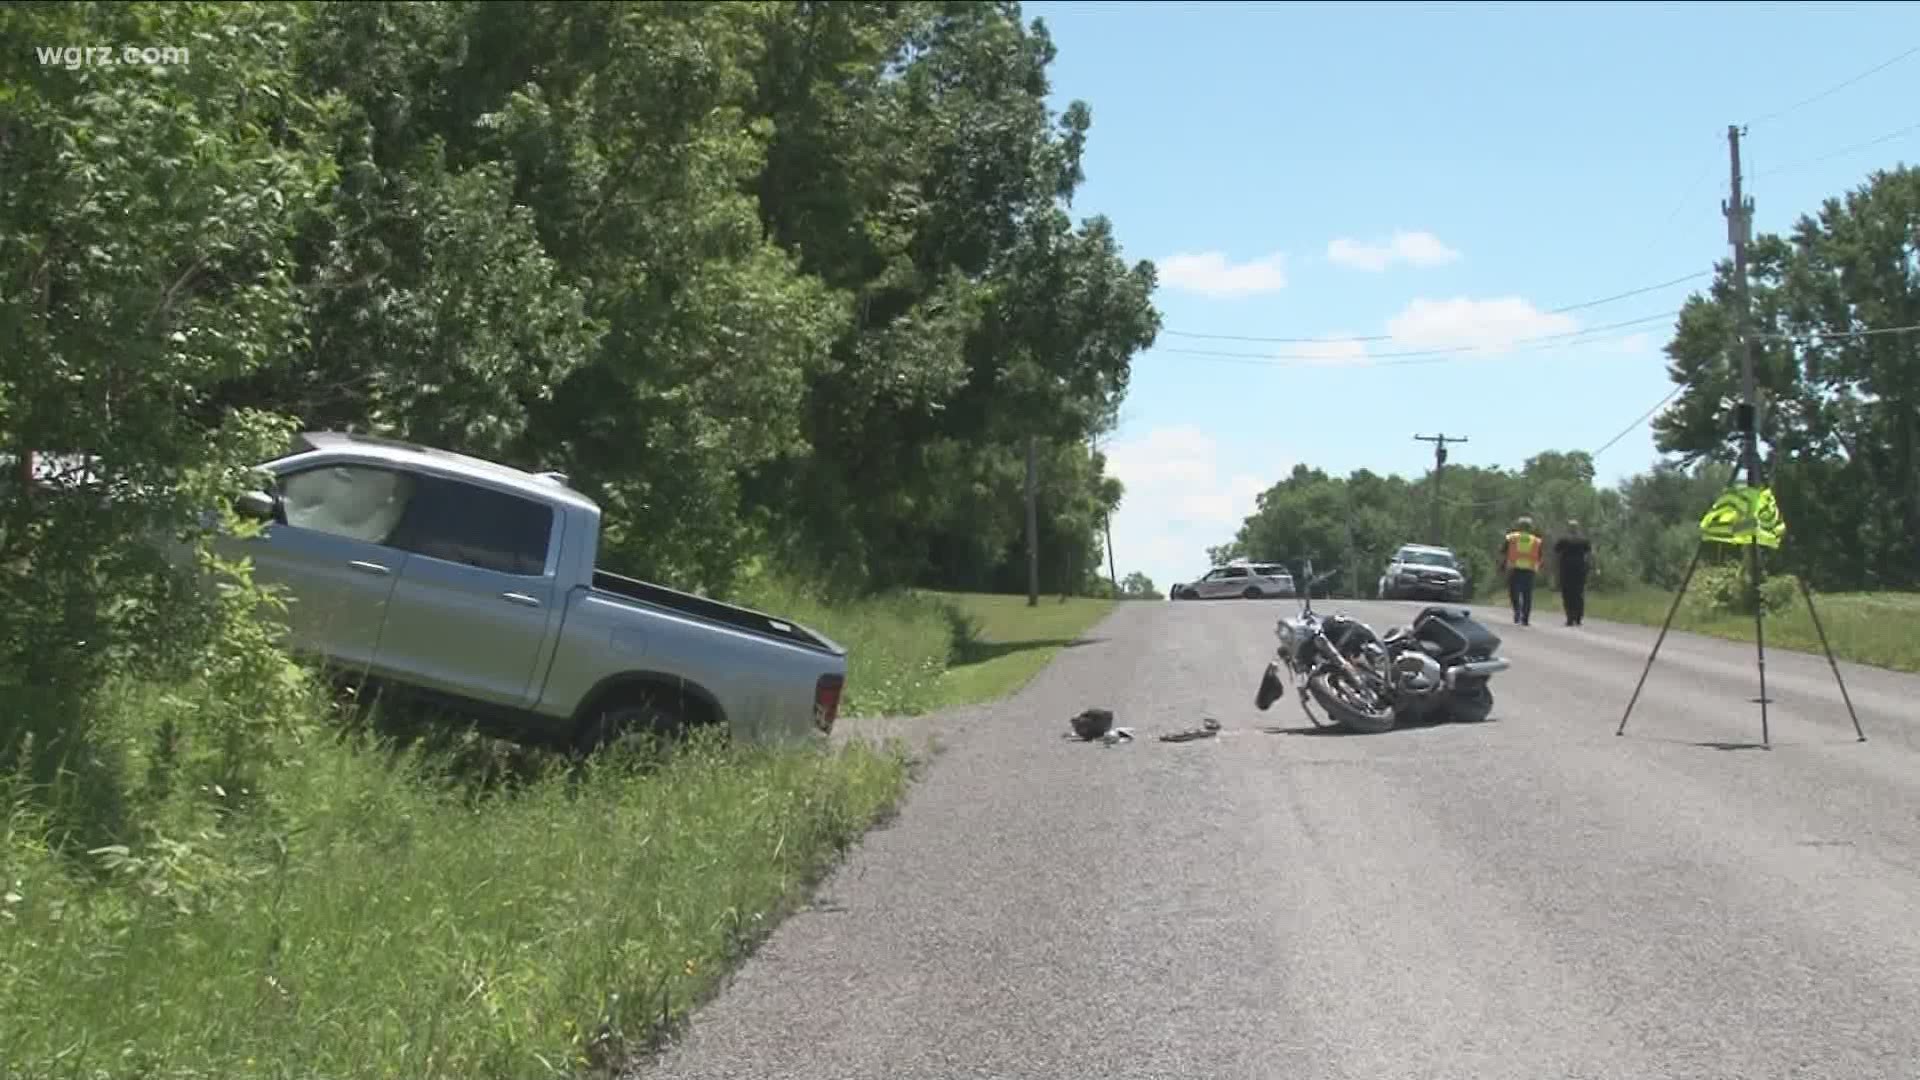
(477, 526)
(358, 502)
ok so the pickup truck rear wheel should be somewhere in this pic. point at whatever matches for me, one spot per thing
(641, 716)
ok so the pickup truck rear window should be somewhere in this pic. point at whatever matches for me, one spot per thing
(477, 526)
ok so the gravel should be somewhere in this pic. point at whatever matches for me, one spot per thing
(1529, 897)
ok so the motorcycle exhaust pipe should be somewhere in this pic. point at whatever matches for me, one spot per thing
(1478, 668)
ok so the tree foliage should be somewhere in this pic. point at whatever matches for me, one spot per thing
(1838, 364)
(149, 225)
(1644, 530)
(787, 282)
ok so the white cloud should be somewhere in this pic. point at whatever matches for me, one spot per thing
(1337, 351)
(1422, 249)
(1492, 325)
(1211, 274)
(1181, 498)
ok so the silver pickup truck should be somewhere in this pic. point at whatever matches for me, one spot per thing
(475, 583)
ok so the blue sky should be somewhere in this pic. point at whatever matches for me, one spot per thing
(1449, 177)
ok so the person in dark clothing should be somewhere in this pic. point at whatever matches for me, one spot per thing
(1572, 561)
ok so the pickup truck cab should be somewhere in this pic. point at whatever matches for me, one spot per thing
(475, 583)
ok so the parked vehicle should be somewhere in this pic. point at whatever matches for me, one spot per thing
(475, 583)
(1438, 669)
(1247, 580)
(1423, 572)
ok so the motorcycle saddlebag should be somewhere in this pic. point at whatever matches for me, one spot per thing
(1456, 633)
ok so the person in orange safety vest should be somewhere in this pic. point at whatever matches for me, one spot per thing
(1520, 558)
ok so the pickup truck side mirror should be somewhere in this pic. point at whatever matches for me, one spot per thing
(259, 505)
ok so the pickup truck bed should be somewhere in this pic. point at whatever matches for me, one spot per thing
(738, 618)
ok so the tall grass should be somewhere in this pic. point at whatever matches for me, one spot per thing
(366, 917)
(396, 900)
(899, 644)
(916, 652)
(1882, 629)
(1000, 643)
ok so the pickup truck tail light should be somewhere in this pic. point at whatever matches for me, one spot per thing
(826, 702)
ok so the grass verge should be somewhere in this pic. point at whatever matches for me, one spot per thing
(918, 652)
(1000, 644)
(1881, 629)
(367, 918)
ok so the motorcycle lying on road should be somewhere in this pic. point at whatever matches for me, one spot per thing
(1436, 669)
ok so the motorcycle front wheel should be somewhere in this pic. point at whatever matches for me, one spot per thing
(1346, 706)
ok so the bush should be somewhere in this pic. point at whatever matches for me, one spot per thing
(1723, 590)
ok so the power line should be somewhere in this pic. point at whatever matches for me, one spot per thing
(1389, 337)
(1832, 90)
(1592, 455)
(1631, 428)
(1842, 152)
(1661, 234)
(1811, 334)
(1435, 355)
(1707, 166)
(1541, 343)
(1671, 394)
(1634, 292)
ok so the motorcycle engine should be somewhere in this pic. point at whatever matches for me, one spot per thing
(1416, 673)
(1373, 655)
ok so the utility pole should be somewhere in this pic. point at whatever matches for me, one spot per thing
(1739, 214)
(1033, 524)
(1353, 557)
(1439, 462)
(1113, 574)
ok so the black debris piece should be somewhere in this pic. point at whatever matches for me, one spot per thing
(1208, 729)
(1092, 723)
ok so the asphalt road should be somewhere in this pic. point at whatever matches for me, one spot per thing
(1528, 898)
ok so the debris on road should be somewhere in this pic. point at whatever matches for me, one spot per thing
(1096, 725)
(1208, 729)
(1092, 724)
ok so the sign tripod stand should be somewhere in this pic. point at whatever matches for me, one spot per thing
(1745, 515)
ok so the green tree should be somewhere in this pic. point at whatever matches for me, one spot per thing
(1841, 441)
(148, 226)
(916, 167)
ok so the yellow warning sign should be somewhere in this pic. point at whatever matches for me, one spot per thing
(1744, 516)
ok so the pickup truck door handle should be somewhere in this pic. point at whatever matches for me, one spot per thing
(369, 567)
(520, 598)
